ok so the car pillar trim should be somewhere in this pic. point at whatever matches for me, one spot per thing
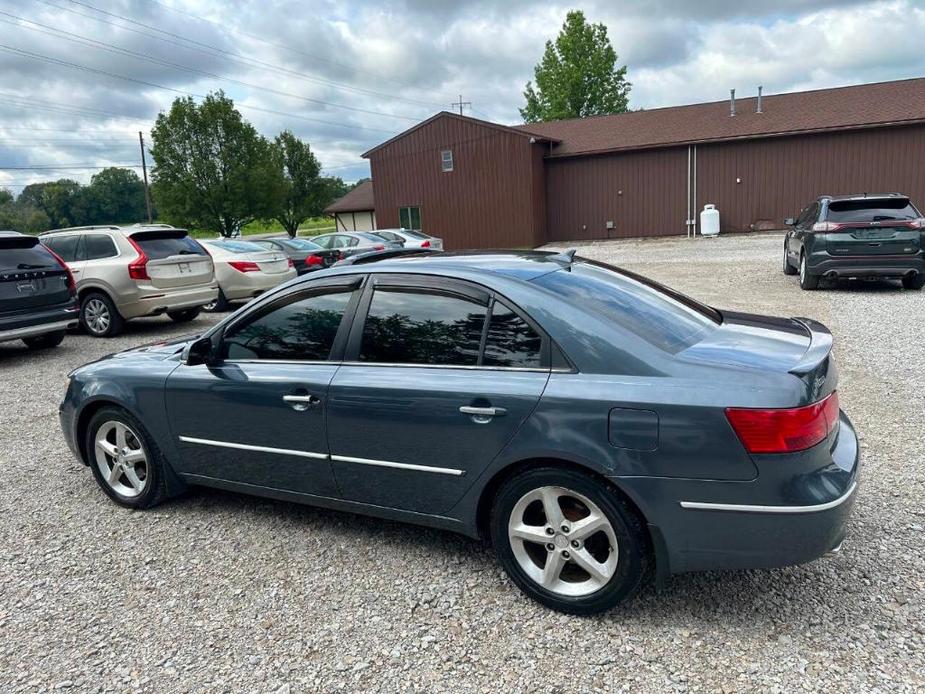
(250, 447)
(401, 466)
(749, 508)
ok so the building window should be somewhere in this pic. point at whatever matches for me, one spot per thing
(409, 218)
(446, 160)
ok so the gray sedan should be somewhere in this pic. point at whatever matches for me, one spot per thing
(353, 242)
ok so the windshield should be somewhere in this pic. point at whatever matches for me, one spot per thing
(667, 319)
(872, 210)
(237, 246)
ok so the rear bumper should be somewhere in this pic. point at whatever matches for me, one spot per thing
(39, 323)
(157, 301)
(768, 522)
(866, 266)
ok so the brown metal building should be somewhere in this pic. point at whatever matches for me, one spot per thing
(649, 173)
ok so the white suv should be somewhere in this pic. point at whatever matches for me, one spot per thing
(128, 272)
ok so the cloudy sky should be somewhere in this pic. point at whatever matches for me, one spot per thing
(82, 77)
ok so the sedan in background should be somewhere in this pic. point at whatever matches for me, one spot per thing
(245, 270)
(410, 239)
(857, 237)
(597, 427)
(306, 256)
(38, 296)
(353, 242)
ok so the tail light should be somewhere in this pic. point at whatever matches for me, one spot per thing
(826, 226)
(786, 430)
(289, 261)
(918, 223)
(244, 265)
(314, 260)
(71, 284)
(138, 268)
(378, 247)
(425, 244)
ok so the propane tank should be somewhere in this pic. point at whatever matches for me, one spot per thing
(709, 221)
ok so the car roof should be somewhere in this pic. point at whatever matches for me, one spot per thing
(863, 196)
(8, 234)
(128, 231)
(525, 265)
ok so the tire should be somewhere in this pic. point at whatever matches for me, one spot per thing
(807, 281)
(914, 282)
(184, 316)
(45, 341)
(788, 268)
(99, 316)
(621, 550)
(220, 304)
(149, 487)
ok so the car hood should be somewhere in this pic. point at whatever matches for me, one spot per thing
(156, 350)
(753, 341)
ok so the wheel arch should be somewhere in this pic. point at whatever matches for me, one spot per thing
(82, 292)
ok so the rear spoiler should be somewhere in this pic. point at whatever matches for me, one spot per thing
(820, 345)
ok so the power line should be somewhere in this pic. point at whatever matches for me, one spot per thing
(66, 167)
(118, 50)
(85, 68)
(213, 51)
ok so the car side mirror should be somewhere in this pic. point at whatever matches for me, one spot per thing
(790, 221)
(201, 351)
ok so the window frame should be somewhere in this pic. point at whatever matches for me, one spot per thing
(82, 247)
(551, 357)
(346, 283)
(420, 218)
(444, 161)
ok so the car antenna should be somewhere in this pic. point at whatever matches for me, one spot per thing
(567, 257)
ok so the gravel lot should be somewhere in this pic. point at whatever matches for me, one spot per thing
(218, 592)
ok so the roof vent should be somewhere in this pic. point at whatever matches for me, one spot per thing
(758, 109)
(732, 102)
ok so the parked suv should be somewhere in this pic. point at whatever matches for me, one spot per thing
(857, 236)
(129, 272)
(38, 299)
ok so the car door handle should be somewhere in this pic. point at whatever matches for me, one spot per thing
(301, 403)
(483, 412)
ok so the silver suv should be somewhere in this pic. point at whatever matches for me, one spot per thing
(129, 272)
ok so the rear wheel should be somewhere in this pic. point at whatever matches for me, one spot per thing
(807, 280)
(45, 341)
(184, 316)
(915, 281)
(125, 461)
(99, 316)
(788, 268)
(569, 541)
(218, 305)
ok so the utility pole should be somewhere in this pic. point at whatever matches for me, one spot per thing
(144, 171)
(461, 103)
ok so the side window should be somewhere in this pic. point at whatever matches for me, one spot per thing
(303, 330)
(64, 246)
(406, 326)
(511, 341)
(352, 240)
(324, 241)
(97, 247)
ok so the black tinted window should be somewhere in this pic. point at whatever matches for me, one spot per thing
(20, 254)
(64, 246)
(870, 210)
(158, 245)
(411, 327)
(97, 246)
(302, 330)
(511, 341)
(661, 316)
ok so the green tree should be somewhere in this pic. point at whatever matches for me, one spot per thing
(303, 190)
(578, 76)
(212, 170)
(116, 196)
(64, 201)
(6, 197)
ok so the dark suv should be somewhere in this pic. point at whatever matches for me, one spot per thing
(38, 299)
(857, 237)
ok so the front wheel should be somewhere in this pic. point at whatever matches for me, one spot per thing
(788, 268)
(45, 341)
(807, 280)
(184, 316)
(915, 281)
(569, 541)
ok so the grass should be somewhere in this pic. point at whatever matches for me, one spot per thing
(311, 227)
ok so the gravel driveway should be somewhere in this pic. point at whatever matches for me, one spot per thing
(218, 592)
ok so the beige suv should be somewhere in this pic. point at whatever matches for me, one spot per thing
(129, 272)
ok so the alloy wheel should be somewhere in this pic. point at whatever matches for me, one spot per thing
(563, 541)
(96, 316)
(121, 458)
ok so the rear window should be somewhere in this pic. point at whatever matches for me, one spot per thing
(667, 319)
(873, 210)
(300, 245)
(24, 254)
(238, 246)
(414, 234)
(163, 244)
